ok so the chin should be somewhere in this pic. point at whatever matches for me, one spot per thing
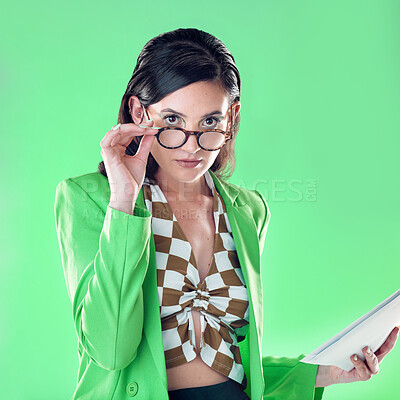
(188, 174)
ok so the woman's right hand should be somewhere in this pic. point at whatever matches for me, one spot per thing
(126, 173)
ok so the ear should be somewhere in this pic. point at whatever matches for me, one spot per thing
(136, 110)
(235, 108)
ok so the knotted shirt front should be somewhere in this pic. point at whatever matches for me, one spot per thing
(221, 298)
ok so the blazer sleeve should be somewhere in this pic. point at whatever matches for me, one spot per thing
(105, 257)
(289, 379)
(286, 378)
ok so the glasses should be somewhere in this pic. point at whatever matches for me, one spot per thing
(209, 140)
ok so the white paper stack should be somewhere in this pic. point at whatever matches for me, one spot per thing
(371, 330)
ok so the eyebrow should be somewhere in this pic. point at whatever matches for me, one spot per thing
(183, 115)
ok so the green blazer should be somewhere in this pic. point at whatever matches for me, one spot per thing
(109, 264)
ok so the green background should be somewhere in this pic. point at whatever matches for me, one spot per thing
(319, 138)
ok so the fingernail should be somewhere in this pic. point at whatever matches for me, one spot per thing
(151, 127)
(355, 358)
(114, 128)
(368, 350)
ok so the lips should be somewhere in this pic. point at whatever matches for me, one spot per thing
(190, 160)
(192, 163)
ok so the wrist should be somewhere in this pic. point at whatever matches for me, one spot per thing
(323, 378)
(126, 206)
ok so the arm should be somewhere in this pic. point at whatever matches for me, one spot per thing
(105, 258)
(288, 378)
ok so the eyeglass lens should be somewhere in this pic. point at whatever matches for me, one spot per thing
(209, 140)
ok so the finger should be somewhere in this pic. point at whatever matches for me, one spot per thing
(116, 135)
(145, 126)
(362, 369)
(144, 148)
(123, 129)
(109, 136)
(108, 152)
(388, 345)
(128, 131)
(125, 139)
(371, 360)
(116, 139)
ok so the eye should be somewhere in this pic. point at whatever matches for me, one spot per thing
(173, 119)
(168, 118)
(213, 120)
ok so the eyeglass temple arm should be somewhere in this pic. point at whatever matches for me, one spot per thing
(145, 113)
(231, 120)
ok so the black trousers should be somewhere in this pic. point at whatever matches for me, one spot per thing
(229, 390)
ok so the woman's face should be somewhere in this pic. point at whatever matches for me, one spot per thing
(194, 103)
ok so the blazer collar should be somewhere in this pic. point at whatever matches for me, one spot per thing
(227, 191)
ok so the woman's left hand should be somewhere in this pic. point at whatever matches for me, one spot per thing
(363, 371)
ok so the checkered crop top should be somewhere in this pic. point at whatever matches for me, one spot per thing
(221, 298)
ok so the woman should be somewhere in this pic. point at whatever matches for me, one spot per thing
(162, 256)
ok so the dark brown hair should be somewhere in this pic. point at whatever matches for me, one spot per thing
(173, 60)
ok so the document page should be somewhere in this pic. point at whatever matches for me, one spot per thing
(371, 330)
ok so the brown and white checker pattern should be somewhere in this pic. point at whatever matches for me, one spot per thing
(221, 298)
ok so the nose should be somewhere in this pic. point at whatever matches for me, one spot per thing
(191, 145)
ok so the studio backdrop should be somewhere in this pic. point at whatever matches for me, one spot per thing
(319, 137)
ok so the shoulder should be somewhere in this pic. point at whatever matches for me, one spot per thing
(90, 182)
(93, 185)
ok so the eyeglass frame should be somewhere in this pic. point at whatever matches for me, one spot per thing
(228, 134)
